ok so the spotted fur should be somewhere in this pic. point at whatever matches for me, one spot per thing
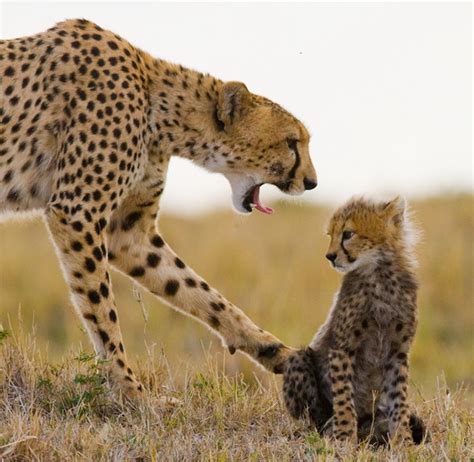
(88, 125)
(353, 378)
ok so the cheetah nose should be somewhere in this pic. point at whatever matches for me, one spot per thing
(331, 257)
(309, 184)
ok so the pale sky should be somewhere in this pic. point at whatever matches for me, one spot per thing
(384, 89)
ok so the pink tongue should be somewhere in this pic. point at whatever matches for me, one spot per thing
(258, 205)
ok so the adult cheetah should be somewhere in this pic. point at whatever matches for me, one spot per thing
(88, 125)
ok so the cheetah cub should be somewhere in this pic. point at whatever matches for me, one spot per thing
(352, 379)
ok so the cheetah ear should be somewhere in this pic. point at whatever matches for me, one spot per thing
(395, 209)
(233, 98)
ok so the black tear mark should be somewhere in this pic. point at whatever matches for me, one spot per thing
(346, 253)
(294, 147)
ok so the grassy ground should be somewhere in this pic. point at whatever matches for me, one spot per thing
(53, 405)
(64, 411)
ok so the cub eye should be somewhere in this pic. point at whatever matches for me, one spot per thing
(292, 143)
(347, 235)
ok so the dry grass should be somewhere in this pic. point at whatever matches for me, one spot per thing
(65, 411)
(54, 406)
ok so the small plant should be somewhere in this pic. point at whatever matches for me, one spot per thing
(203, 382)
(317, 445)
(4, 334)
(45, 383)
(89, 388)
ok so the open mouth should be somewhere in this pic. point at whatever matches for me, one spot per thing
(252, 201)
(246, 192)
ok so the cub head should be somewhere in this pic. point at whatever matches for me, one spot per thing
(361, 230)
(260, 143)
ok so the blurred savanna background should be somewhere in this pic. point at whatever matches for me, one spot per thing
(272, 267)
(386, 91)
(54, 405)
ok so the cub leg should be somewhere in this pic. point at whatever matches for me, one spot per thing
(341, 373)
(396, 397)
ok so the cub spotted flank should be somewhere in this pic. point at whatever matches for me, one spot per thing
(353, 378)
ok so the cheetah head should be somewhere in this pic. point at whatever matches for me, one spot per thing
(261, 143)
(362, 230)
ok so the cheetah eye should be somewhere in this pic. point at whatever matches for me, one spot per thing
(346, 235)
(292, 142)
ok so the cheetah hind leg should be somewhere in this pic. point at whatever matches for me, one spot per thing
(302, 390)
(376, 432)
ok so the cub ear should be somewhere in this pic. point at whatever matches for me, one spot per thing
(233, 99)
(395, 209)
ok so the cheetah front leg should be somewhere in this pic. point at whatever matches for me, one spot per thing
(345, 417)
(81, 247)
(140, 252)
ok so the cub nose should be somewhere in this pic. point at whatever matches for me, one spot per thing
(309, 184)
(331, 257)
